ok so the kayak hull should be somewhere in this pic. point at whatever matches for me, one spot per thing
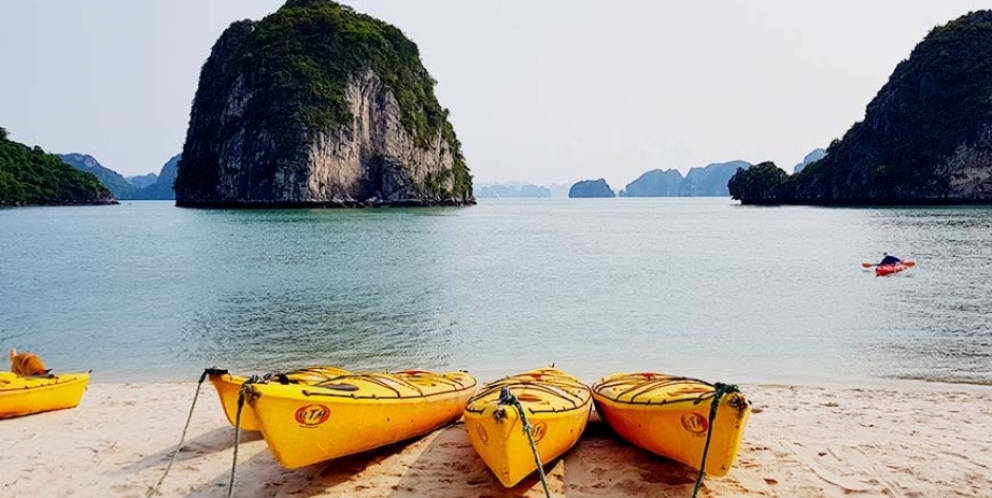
(557, 406)
(306, 424)
(882, 270)
(669, 416)
(27, 395)
(228, 387)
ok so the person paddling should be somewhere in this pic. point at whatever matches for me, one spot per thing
(888, 260)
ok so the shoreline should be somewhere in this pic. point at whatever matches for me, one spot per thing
(800, 442)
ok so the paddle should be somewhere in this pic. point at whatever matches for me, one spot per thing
(908, 264)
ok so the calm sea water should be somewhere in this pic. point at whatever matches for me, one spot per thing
(145, 291)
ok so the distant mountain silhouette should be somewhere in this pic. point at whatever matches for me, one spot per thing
(512, 190)
(812, 157)
(141, 181)
(709, 181)
(591, 188)
(108, 177)
(119, 186)
(162, 189)
(654, 183)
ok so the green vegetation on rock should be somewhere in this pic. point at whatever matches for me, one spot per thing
(295, 65)
(758, 183)
(926, 136)
(29, 176)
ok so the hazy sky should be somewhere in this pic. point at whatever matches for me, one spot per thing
(539, 91)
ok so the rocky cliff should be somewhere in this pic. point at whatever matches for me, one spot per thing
(318, 105)
(926, 137)
(591, 188)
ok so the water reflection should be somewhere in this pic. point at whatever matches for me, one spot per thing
(322, 287)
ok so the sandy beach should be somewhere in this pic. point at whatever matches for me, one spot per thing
(800, 442)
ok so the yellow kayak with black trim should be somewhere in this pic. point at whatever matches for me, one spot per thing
(670, 416)
(557, 407)
(305, 424)
(229, 386)
(35, 394)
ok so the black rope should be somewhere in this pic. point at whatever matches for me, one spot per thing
(154, 490)
(245, 388)
(507, 398)
(719, 391)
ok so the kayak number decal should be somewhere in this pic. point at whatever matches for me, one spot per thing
(539, 431)
(695, 423)
(312, 415)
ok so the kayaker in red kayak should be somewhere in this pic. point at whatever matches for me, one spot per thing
(888, 260)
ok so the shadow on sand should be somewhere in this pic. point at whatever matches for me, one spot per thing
(599, 465)
(443, 464)
(261, 476)
(220, 439)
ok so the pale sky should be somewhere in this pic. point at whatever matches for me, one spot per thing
(539, 91)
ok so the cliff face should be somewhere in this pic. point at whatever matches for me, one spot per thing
(926, 137)
(318, 105)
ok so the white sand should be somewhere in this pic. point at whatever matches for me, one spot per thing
(800, 442)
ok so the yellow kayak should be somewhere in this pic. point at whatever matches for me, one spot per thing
(27, 395)
(228, 386)
(305, 424)
(557, 406)
(670, 415)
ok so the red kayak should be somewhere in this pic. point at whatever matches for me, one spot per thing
(881, 270)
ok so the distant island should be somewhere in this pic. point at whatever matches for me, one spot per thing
(142, 181)
(591, 189)
(654, 183)
(31, 177)
(926, 137)
(708, 181)
(123, 188)
(317, 105)
(511, 190)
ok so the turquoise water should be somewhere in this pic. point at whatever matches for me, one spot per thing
(145, 291)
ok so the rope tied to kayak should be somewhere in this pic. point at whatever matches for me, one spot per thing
(507, 398)
(242, 394)
(718, 392)
(154, 490)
